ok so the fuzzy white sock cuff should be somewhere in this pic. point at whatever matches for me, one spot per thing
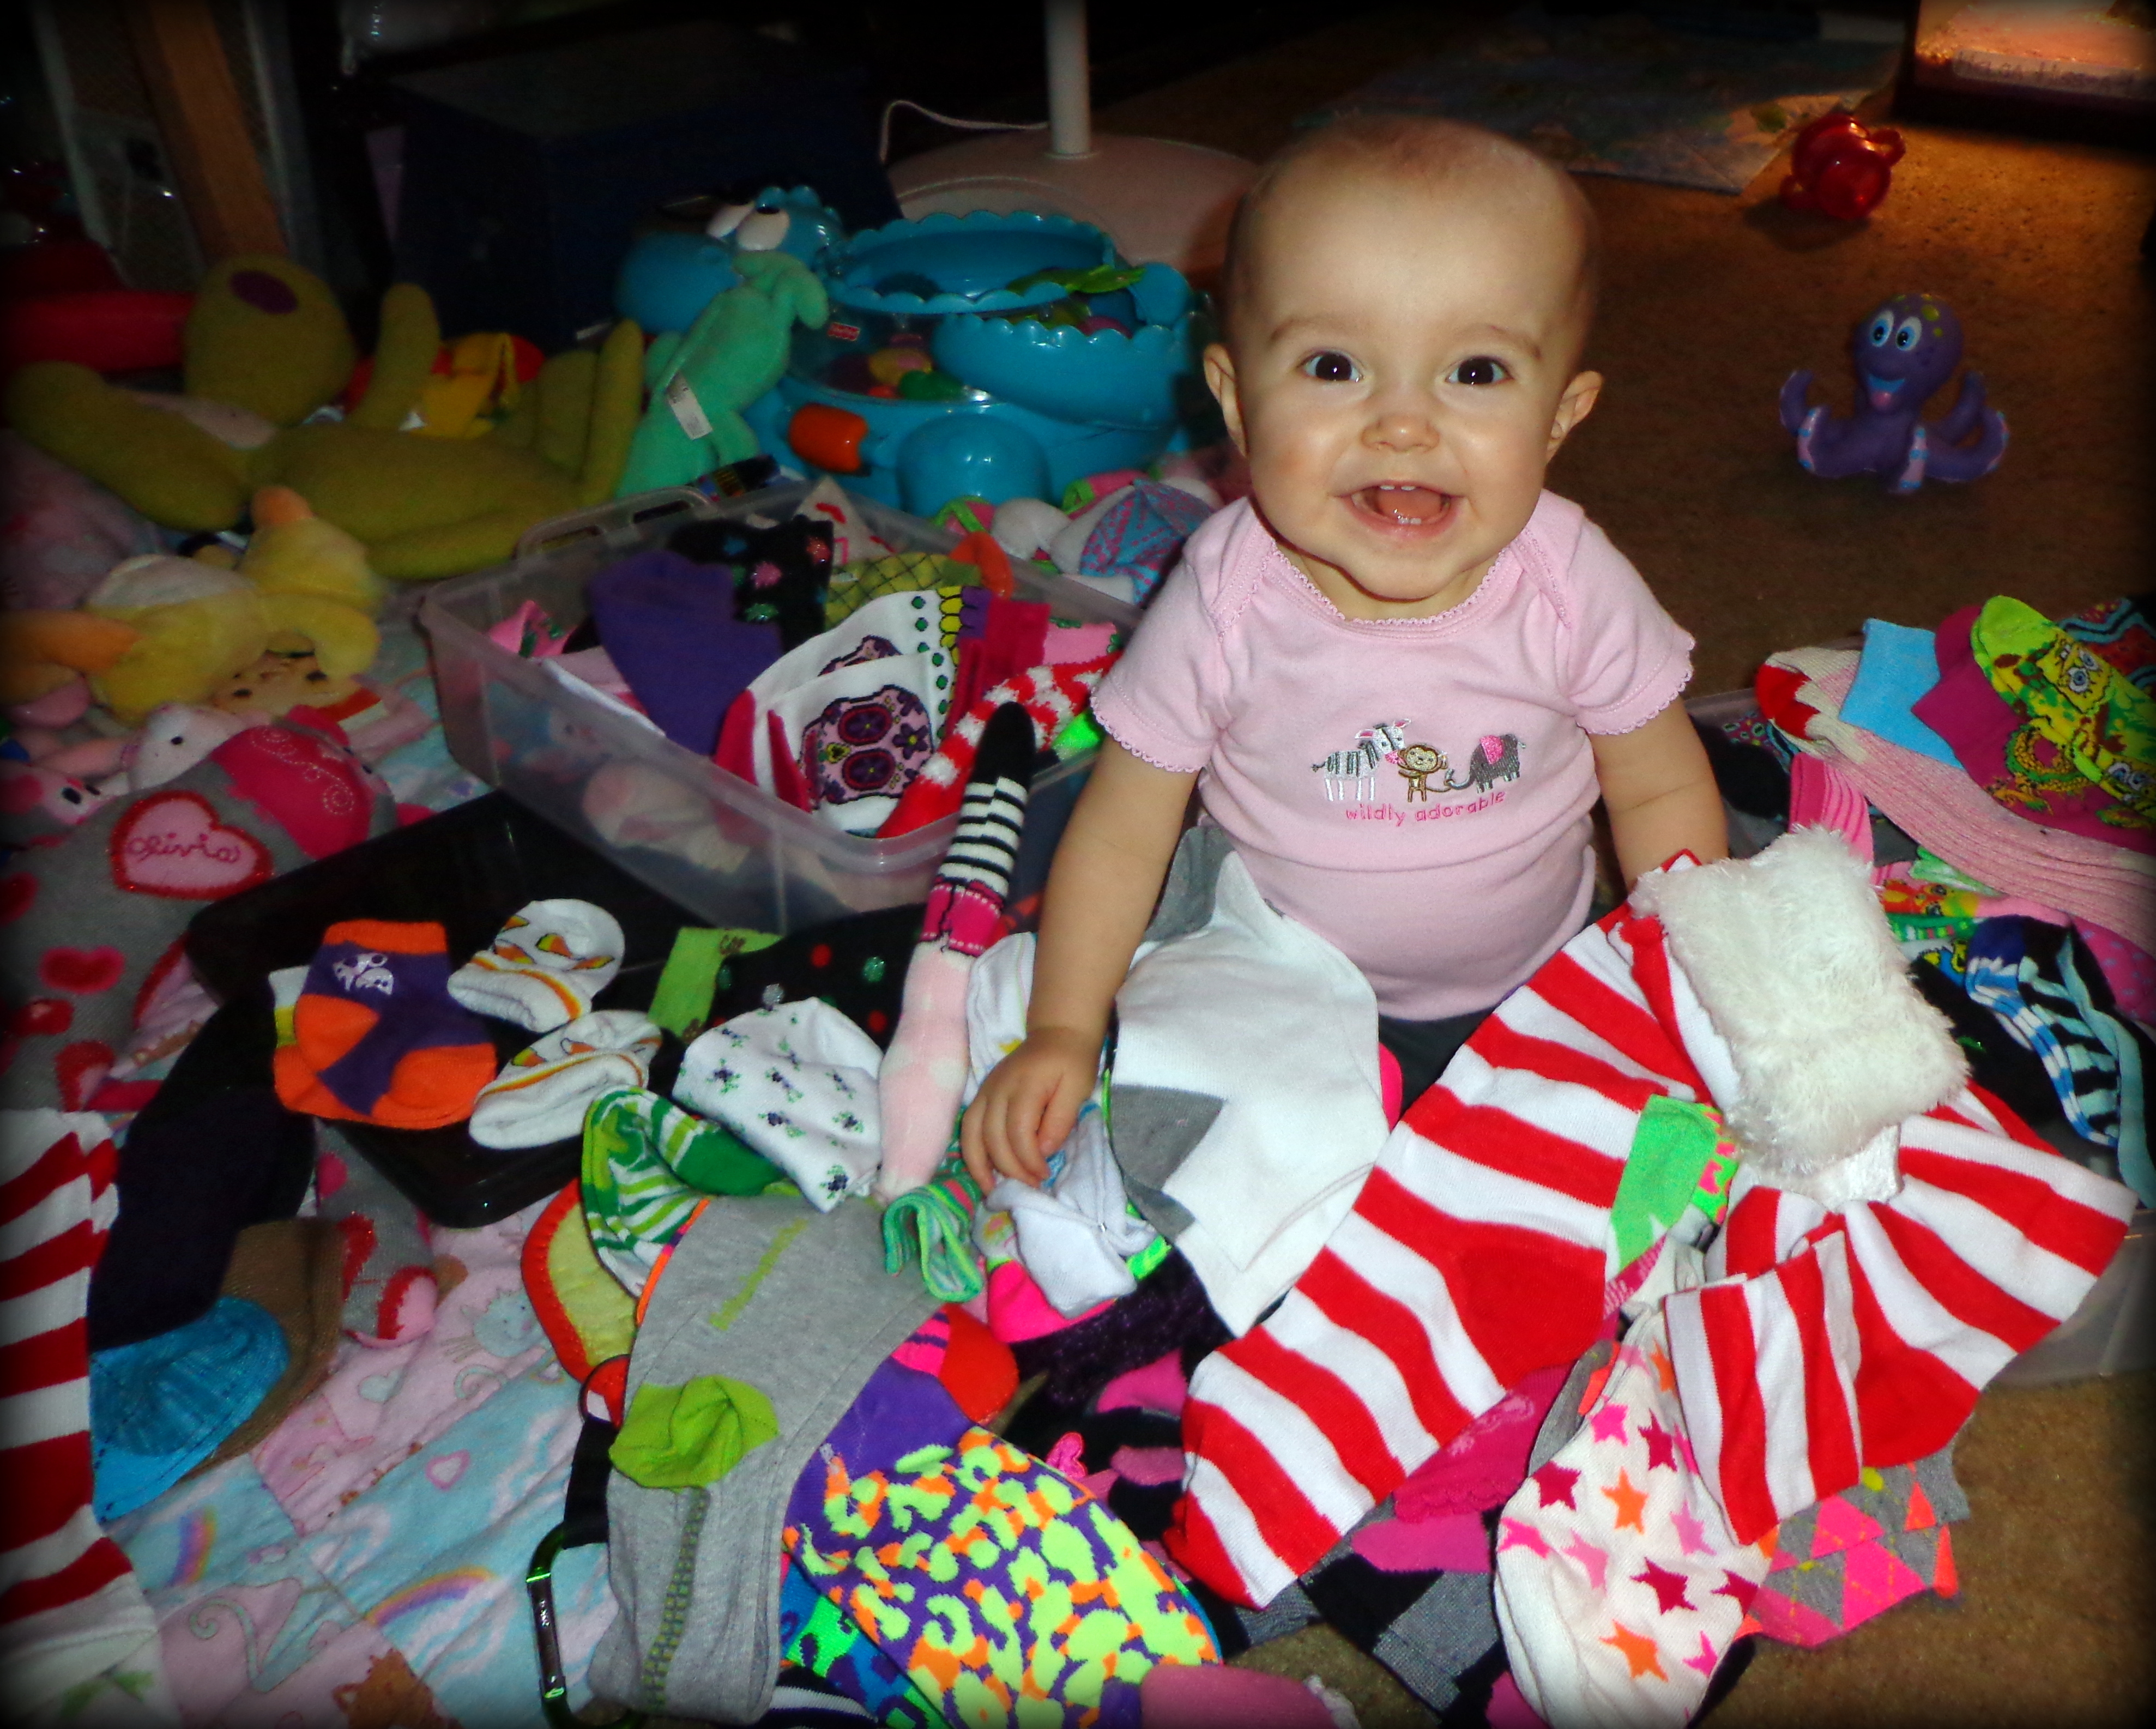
(1832, 1044)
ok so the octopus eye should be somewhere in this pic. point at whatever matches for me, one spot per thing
(1908, 333)
(762, 231)
(1883, 327)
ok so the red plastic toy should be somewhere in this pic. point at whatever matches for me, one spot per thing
(1840, 168)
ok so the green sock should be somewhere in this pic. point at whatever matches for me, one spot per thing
(682, 1003)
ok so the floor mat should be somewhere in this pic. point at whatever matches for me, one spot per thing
(1622, 95)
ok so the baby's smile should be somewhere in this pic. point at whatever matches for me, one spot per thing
(1401, 505)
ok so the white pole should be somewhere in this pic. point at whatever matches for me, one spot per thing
(1069, 81)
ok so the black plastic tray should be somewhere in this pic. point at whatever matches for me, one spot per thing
(468, 868)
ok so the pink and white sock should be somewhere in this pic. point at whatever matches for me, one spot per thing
(1619, 1587)
(923, 1077)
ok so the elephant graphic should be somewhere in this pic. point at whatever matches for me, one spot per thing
(1495, 758)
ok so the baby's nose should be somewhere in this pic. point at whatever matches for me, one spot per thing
(1402, 423)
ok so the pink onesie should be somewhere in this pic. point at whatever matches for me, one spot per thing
(1414, 790)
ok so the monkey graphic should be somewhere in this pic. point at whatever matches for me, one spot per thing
(1417, 763)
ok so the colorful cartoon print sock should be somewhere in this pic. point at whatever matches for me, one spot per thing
(2078, 701)
(389, 1287)
(543, 1091)
(799, 1084)
(544, 966)
(375, 1037)
(924, 1074)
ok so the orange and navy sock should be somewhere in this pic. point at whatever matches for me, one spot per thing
(377, 1038)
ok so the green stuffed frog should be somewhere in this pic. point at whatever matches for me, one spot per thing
(701, 379)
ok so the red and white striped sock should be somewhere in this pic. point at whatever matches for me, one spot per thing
(69, 1602)
(1481, 1245)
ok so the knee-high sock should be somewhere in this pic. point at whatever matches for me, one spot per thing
(923, 1078)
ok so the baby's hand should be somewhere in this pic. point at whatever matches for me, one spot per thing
(1028, 1107)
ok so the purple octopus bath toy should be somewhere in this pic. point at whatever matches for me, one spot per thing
(1904, 352)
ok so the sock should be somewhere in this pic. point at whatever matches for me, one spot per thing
(543, 1092)
(375, 1037)
(1620, 1586)
(793, 1303)
(211, 1153)
(797, 1084)
(2006, 977)
(1862, 1551)
(1820, 796)
(1296, 1430)
(893, 1484)
(1948, 813)
(858, 965)
(924, 1073)
(977, 1370)
(72, 1602)
(933, 1224)
(158, 1408)
(389, 1286)
(682, 1001)
(1167, 1312)
(648, 1167)
(1182, 1695)
(1076, 1232)
(1051, 695)
(545, 966)
(2081, 703)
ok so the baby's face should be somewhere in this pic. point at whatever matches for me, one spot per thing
(1401, 371)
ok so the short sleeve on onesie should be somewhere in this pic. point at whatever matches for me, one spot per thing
(1416, 791)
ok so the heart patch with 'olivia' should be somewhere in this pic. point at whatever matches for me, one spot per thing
(172, 844)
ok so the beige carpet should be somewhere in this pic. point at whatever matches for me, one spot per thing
(1710, 303)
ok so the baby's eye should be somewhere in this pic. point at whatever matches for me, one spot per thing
(1331, 368)
(1480, 369)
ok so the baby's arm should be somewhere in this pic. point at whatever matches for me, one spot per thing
(1660, 794)
(1109, 867)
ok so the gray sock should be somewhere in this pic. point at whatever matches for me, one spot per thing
(796, 1304)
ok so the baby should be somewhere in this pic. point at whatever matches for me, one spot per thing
(1400, 674)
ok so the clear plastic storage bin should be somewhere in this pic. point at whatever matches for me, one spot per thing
(727, 850)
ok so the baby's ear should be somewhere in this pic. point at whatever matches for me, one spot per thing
(1220, 380)
(1573, 406)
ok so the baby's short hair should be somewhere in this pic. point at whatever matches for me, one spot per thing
(1404, 148)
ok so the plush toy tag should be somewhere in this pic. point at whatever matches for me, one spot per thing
(687, 410)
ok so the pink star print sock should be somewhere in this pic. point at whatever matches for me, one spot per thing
(1618, 1584)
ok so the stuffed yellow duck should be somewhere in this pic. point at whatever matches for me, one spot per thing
(304, 588)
